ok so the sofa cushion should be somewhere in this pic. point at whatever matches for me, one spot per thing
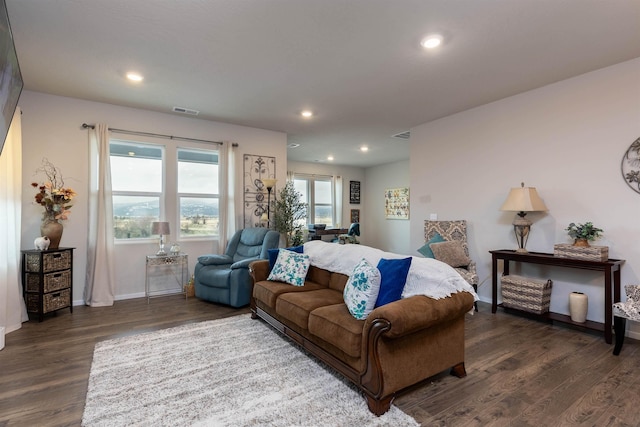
(335, 325)
(338, 281)
(268, 292)
(319, 276)
(393, 274)
(426, 249)
(290, 267)
(451, 253)
(361, 291)
(296, 306)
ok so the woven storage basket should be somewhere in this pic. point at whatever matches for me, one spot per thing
(587, 253)
(526, 294)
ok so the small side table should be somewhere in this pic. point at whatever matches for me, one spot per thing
(173, 269)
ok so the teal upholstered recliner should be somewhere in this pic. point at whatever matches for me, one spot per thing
(225, 278)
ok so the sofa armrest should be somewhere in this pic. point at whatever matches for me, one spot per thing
(259, 270)
(418, 312)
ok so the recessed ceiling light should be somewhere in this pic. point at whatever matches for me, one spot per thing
(431, 41)
(364, 148)
(293, 145)
(134, 77)
(330, 158)
(306, 113)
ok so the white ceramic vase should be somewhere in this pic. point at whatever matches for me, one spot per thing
(578, 306)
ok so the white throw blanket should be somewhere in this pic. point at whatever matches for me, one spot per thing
(426, 276)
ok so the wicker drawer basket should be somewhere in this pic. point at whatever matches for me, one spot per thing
(51, 302)
(526, 294)
(53, 261)
(52, 281)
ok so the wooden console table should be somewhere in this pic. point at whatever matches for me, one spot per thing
(610, 268)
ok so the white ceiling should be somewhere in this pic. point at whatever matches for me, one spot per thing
(356, 63)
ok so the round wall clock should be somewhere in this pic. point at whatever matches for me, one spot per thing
(631, 166)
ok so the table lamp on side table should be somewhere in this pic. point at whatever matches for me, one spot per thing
(161, 228)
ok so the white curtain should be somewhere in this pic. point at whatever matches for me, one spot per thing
(100, 286)
(228, 223)
(12, 309)
(338, 203)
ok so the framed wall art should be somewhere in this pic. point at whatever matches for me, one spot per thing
(354, 192)
(631, 166)
(355, 215)
(256, 168)
(396, 203)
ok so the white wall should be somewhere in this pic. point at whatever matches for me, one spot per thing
(348, 173)
(390, 235)
(567, 139)
(51, 127)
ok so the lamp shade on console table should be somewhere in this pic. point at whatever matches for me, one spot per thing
(522, 200)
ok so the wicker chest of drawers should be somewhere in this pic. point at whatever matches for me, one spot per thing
(47, 280)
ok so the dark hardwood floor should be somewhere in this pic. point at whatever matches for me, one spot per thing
(520, 372)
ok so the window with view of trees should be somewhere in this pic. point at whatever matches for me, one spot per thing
(318, 193)
(144, 181)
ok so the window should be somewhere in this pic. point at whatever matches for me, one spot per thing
(318, 193)
(146, 178)
(136, 182)
(198, 192)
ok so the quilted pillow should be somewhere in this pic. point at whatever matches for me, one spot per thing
(393, 276)
(290, 267)
(361, 291)
(451, 253)
(426, 249)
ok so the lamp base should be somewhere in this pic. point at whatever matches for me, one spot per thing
(521, 228)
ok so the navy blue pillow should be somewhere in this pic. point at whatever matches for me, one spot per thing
(393, 274)
(273, 254)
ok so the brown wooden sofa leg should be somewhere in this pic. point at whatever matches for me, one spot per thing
(619, 324)
(379, 406)
(459, 370)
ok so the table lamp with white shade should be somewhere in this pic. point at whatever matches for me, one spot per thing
(522, 200)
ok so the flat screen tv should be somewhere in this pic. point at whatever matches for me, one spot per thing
(10, 78)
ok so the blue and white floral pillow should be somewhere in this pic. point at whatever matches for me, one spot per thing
(361, 291)
(290, 267)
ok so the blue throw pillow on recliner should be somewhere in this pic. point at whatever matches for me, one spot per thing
(393, 274)
(273, 254)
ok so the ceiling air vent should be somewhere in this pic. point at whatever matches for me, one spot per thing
(403, 135)
(183, 110)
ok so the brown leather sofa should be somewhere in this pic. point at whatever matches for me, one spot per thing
(398, 345)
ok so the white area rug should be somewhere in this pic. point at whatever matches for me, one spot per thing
(229, 372)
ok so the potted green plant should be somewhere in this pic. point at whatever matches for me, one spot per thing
(289, 214)
(583, 233)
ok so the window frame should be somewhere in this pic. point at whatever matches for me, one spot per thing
(169, 196)
(311, 196)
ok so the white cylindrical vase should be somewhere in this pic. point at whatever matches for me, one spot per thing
(578, 306)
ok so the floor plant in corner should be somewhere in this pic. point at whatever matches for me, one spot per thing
(289, 214)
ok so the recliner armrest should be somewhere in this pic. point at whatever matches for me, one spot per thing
(215, 259)
(243, 263)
